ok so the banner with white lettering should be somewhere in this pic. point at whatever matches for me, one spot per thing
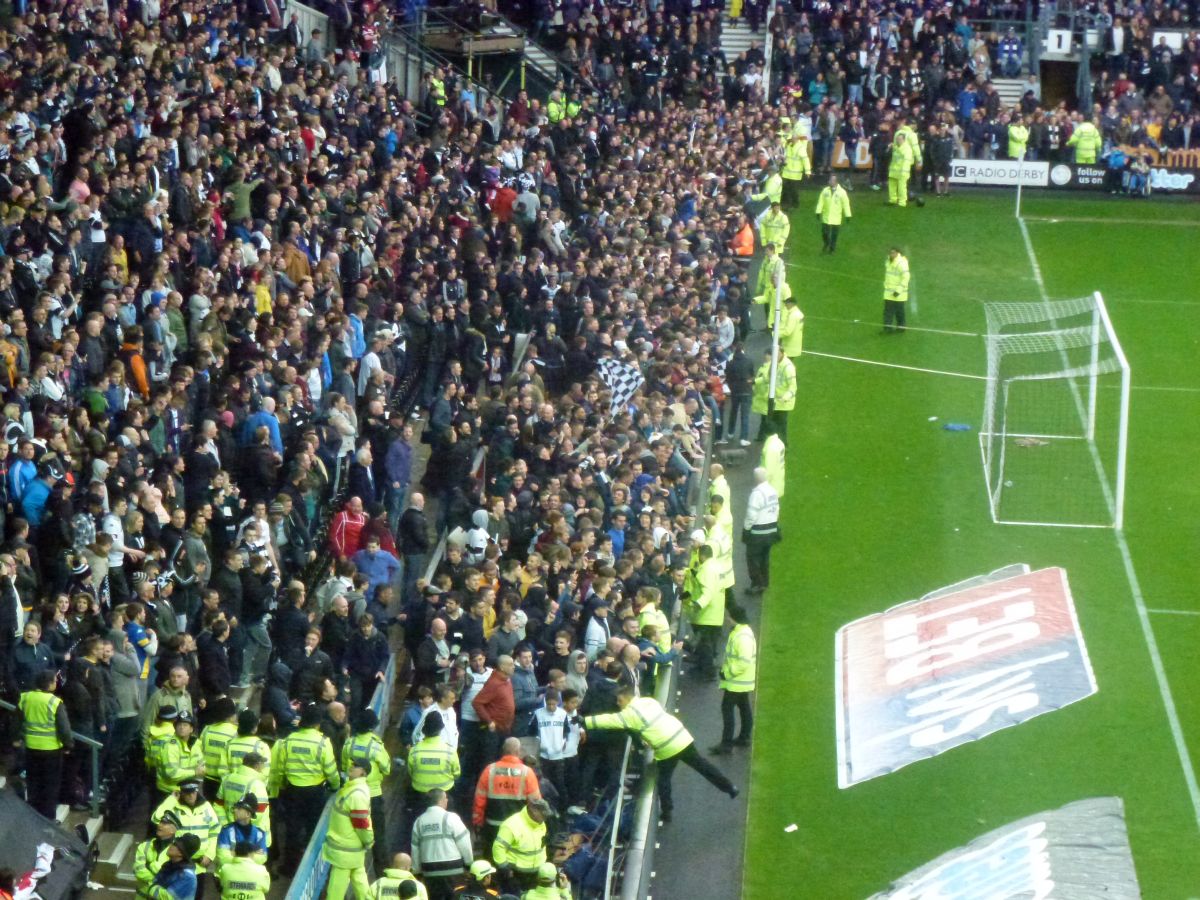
(1078, 852)
(955, 666)
(1004, 172)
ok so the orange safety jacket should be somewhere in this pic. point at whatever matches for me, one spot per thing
(503, 788)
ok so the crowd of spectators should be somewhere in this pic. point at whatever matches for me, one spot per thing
(858, 72)
(229, 258)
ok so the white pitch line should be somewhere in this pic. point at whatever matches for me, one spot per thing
(887, 365)
(1139, 602)
(1174, 612)
(973, 334)
(1099, 220)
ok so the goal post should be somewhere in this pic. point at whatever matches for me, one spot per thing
(1056, 414)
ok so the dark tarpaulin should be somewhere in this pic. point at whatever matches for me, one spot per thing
(24, 829)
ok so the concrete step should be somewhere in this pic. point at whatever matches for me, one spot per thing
(1011, 90)
(538, 58)
(113, 848)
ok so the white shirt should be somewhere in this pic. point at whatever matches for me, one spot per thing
(111, 525)
(476, 682)
(449, 732)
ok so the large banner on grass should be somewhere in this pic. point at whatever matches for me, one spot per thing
(955, 666)
(1078, 852)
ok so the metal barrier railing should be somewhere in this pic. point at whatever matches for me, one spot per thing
(313, 871)
(637, 863)
(95, 748)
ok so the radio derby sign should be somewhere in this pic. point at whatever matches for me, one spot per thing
(1078, 852)
(955, 666)
(1002, 172)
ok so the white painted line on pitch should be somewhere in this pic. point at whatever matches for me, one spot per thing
(1174, 612)
(973, 334)
(887, 365)
(1100, 220)
(1139, 602)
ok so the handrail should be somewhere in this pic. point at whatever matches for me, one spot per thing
(410, 35)
(640, 847)
(313, 871)
(93, 745)
(639, 850)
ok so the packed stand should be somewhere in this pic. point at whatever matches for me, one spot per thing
(223, 252)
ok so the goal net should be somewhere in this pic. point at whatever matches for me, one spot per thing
(1055, 417)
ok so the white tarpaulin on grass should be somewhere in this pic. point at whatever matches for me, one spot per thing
(955, 666)
(1078, 852)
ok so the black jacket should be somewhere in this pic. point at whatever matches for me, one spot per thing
(413, 532)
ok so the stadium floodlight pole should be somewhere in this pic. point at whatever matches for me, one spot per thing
(1020, 181)
(775, 325)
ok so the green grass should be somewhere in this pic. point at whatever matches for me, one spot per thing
(883, 506)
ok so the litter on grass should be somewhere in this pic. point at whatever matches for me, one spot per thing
(956, 426)
(792, 827)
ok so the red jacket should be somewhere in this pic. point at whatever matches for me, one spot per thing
(503, 788)
(495, 702)
(345, 534)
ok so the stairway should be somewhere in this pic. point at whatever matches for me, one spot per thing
(736, 36)
(1011, 90)
(536, 57)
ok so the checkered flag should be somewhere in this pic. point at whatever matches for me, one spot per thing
(623, 379)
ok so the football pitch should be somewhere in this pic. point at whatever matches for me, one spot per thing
(884, 505)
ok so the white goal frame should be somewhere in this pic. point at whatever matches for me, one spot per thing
(1042, 332)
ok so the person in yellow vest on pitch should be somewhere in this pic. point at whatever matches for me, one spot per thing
(1018, 137)
(302, 770)
(791, 330)
(671, 742)
(775, 227)
(774, 456)
(244, 877)
(796, 165)
(214, 745)
(520, 846)
(833, 208)
(247, 778)
(1087, 142)
(895, 291)
(899, 169)
(47, 732)
(738, 674)
(367, 746)
(350, 835)
(774, 412)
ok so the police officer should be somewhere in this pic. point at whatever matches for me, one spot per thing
(178, 758)
(738, 673)
(177, 879)
(350, 835)
(520, 846)
(760, 530)
(671, 742)
(900, 168)
(705, 606)
(895, 291)
(774, 460)
(441, 846)
(775, 227)
(301, 773)
(47, 732)
(214, 745)
(791, 330)
(248, 741)
(246, 779)
(151, 854)
(197, 819)
(770, 274)
(242, 830)
(244, 877)
(432, 764)
(795, 165)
